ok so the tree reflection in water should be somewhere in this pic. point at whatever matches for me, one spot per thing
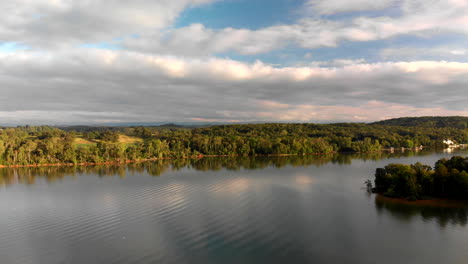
(443, 212)
(29, 175)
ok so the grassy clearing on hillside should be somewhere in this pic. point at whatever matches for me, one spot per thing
(129, 140)
(81, 142)
(124, 139)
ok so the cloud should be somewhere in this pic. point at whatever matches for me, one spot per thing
(50, 72)
(148, 26)
(418, 18)
(197, 40)
(328, 7)
(368, 111)
(417, 53)
(336, 63)
(50, 23)
(86, 86)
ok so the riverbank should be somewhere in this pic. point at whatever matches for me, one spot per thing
(197, 157)
(429, 202)
(145, 160)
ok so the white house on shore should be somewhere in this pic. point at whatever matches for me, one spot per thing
(449, 142)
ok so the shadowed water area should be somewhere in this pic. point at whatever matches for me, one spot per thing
(295, 209)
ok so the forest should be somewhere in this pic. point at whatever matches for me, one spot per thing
(448, 179)
(37, 145)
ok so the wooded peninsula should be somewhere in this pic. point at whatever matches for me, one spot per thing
(448, 179)
(42, 145)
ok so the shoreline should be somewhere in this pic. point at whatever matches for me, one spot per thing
(430, 202)
(150, 159)
(190, 157)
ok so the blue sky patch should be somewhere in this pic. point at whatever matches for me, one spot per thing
(249, 14)
(11, 47)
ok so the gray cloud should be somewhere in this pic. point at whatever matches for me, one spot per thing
(338, 6)
(126, 86)
(452, 53)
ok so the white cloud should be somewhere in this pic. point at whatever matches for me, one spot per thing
(51, 24)
(48, 23)
(422, 18)
(458, 52)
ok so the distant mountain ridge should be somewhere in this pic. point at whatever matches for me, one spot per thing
(460, 122)
(87, 128)
(427, 121)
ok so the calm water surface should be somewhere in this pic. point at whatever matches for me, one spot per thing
(223, 210)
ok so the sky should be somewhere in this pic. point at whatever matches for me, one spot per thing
(117, 61)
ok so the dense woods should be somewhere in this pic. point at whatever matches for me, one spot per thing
(448, 179)
(45, 145)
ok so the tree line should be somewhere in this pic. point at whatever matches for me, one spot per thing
(45, 145)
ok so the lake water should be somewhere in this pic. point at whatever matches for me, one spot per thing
(311, 209)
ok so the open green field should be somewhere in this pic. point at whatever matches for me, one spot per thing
(124, 139)
(128, 140)
(81, 142)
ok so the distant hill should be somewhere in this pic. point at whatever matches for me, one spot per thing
(427, 121)
(86, 128)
